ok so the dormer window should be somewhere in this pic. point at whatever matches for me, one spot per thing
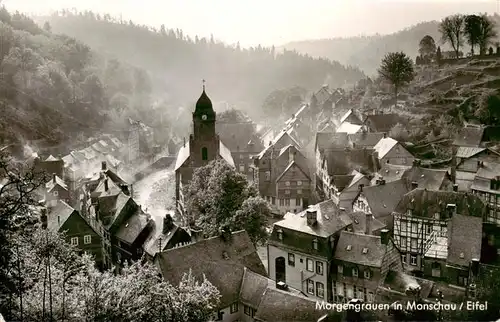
(462, 255)
(348, 248)
(365, 250)
(340, 269)
(368, 274)
(355, 272)
(268, 175)
(299, 183)
(315, 244)
(287, 183)
(280, 234)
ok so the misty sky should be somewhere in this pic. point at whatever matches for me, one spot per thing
(269, 21)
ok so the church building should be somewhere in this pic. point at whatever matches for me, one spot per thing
(203, 146)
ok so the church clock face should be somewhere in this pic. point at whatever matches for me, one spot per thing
(204, 117)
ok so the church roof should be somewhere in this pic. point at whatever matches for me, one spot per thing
(204, 104)
(183, 155)
(225, 153)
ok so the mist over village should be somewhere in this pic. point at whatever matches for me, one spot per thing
(239, 163)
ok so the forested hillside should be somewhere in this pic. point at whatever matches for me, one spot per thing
(178, 63)
(55, 88)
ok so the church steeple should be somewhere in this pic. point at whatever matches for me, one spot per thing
(204, 109)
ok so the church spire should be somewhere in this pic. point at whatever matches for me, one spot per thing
(203, 81)
(204, 106)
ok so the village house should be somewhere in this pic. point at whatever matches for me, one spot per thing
(166, 235)
(344, 188)
(418, 177)
(421, 218)
(449, 258)
(381, 199)
(365, 139)
(203, 146)
(140, 139)
(56, 189)
(382, 122)
(282, 175)
(361, 264)
(486, 185)
(79, 231)
(324, 99)
(49, 166)
(467, 161)
(301, 247)
(391, 151)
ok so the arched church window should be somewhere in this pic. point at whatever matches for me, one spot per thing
(204, 153)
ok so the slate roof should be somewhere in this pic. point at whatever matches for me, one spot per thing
(290, 165)
(383, 199)
(365, 139)
(236, 136)
(383, 122)
(51, 158)
(182, 156)
(225, 154)
(465, 236)
(116, 206)
(469, 136)
(253, 287)
(398, 281)
(357, 242)
(346, 115)
(344, 161)
(431, 179)
(62, 211)
(59, 182)
(222, 262)
(359, 223)
(323, 94)
(88, 153)
(489, 170)
(425, 203)
(328, 141)
(468, 152)
(384, 146)
(282, 306)
(152, 246)
(342, 181)
(349, 128)
(80, 157)
(275, 140)
(390, 172)
(133, 226)
(330, 219)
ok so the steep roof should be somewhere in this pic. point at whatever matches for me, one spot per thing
(431, 179)
(51, 158)
(383, 122)
(344, 161)
(349, 128)
(59, 182)
(330, 219)
(133, 226)
(425, 203)
(222, 262)
(390, 172)
(253, 287)
(276, 139)
(470, 136)
(465, 236)
(182, 156)
(384, 198)
(225, 154)
(326, 141)
(290, 165)
(384, 146)
(58, 215)
(468, 152)
(350, 248)
(489, 170)
(359, 222)
(117, 206)
(365, 139)
(236, 136)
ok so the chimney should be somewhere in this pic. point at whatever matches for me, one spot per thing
(385, 135)
(474, 267)
(104, 166)
(360, 187)
(384, 236)
(168, 223)
(414, 185)
(455, 187)
(381, 181)
(368, 224)
(280, 285)
(312, 218)
(53, 177)
(416, 162)
(106, 187)
(225, 234)
(453, 172)
(451, 209)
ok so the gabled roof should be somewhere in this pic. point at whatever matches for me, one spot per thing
(80, 157)
(342, 181)
(431, 179)
(69, 160)
(365, 139)
(330, 219)
(116, 207)
(349, 128)
(59, 182)
(58, 215)
(344, 161)
(384, 146)
(489, 170)
(425, 203)
(182, 155)
(290, 165)
(222, 262)
(153, 246)
(253, 287)
(328, 141)
(133, 226)
(350, 249)
(383, 199)
(276, 140)
(465, 236)
(359, 222)
(390, 172)
(51, 158)
(346, 115)
(88, 153)
(470, 136)
(383, 122)
(468, 152)
(225, 154)
(323, 95)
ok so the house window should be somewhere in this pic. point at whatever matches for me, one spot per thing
(280, 234)
(315, 244)
(298, 201)
(204, 153)
(282, 202)
(320, 290)
(355, 272)
(414, 227)
(247, 310)
(287, 202)
(414, 243)
(287, 192)
(428, 228)
(413, 260)
(367, 274)
(340, 269)
(268, 175)
(299, 191)
(310, 265)
(319, 268)
(403, 243)
(462, 280)
(273, 200)
(287, 183)
(299, 183)
(242, 168)
(234, 308)
(403, 258)
(220, 316)
(74, 241)
(249, 167)
(370, 297)
(87, 239)
(291, 259)
(310, 287)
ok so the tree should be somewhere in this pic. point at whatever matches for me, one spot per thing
(486, 34)
(472, 30)
(47, 27)
(218, 197)
(232, 116)
(438, 55)
(451, 29)
(397, 68)
(427, 48)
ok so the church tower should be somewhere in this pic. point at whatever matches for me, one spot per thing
(204, 142)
